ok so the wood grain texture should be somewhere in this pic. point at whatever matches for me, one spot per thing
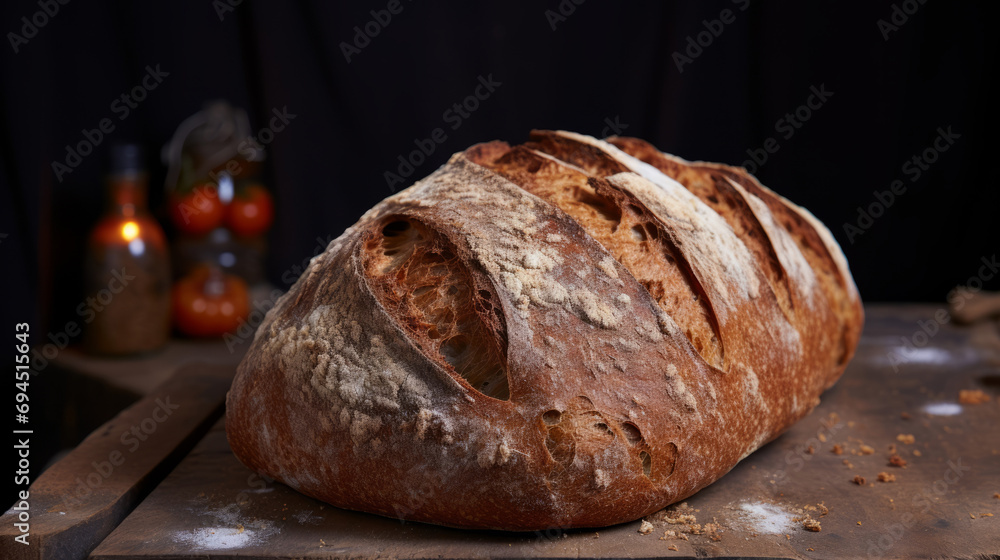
(201, 508)
(83, 497)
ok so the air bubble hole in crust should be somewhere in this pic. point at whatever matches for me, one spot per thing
(415, 273)
(551, 417)
(638, 233)
(632, 433)
(647, 463)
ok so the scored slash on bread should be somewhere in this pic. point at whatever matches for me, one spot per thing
(566, 333)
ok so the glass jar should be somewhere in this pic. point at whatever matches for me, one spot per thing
(127, 268)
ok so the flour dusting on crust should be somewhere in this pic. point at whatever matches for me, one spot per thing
(803, 277)
(719, 258)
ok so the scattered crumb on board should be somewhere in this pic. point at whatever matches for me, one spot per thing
(897, 461)
(682, 516)
(973, 396)
(886, 477)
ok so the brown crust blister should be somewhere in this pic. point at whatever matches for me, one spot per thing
(582, 286)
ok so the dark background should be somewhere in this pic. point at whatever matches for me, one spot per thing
(606, 62)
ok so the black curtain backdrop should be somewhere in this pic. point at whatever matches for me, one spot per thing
(867, 85)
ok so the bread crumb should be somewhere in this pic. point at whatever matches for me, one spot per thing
(849, 464)
(823, 510)
(837, 449)
(645, 527)
(821, 437)
(858, 522)
(917, 453)
(886, 477)
(812, 525)
(974, 396)
(905, 415)
(682, 520)
(906, 439)
(810, 450)
(672, 547)
(867, 450)
(712, 531)
(859, 480)
(239, 528)
(996, 495)
(897, 461)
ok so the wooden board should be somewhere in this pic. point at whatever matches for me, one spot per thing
(79, 500)
(212, 506)
(139, 375)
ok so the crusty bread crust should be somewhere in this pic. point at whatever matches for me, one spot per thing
(560, 334)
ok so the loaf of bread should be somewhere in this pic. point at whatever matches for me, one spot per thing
(566, 333)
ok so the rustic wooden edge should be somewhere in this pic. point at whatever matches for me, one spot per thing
(212, 495)
(78, 501)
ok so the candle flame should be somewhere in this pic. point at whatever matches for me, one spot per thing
(130, 230)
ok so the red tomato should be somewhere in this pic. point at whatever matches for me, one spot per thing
(198, 211)
(251, 211)
(208, 302)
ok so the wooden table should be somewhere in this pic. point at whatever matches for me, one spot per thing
(139, 376)
(938, 506)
